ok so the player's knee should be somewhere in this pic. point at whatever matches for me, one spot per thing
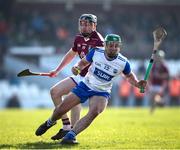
(100, 110)
(95, 112)
(54, 93)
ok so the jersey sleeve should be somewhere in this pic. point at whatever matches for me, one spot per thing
(100, 42)
(89, 56)
(74, 47)
(127, 68)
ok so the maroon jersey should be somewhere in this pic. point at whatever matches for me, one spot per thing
(82, 46)
(159, 74)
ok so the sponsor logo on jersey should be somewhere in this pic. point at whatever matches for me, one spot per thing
(98, 64)
(102, 75)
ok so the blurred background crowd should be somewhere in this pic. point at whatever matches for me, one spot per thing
(36, 34)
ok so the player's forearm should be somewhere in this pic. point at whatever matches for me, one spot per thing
(82, 64)
(62, 64)
(65, 61)
(132, 79)
(79, 66)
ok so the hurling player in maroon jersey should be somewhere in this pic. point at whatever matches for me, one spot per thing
(86, 39)
(158, 82)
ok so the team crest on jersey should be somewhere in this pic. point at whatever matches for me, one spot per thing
(83, 47)
(79, 45)
(115, 71)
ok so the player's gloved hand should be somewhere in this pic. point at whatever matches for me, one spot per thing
(141, 84)
(53, 73)
(76, 70)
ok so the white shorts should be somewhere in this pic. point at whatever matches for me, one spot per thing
(77, 78)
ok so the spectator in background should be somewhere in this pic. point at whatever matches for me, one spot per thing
(40, 28)
(37, 22)
(174, 91)
(124, 92)
(158, 81)
(3, 39)
(3, 30)
(138, 97)
(13, 102)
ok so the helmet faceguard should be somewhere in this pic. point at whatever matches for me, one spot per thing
(87, 24)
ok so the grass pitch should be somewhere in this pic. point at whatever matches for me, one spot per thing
(115, 128)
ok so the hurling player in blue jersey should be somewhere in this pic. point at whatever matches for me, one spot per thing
(106, 64)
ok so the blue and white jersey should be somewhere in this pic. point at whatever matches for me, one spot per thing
(102, 71)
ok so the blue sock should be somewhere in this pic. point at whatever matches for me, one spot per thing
(71, 135)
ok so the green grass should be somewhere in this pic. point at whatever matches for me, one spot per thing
(115, 128)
